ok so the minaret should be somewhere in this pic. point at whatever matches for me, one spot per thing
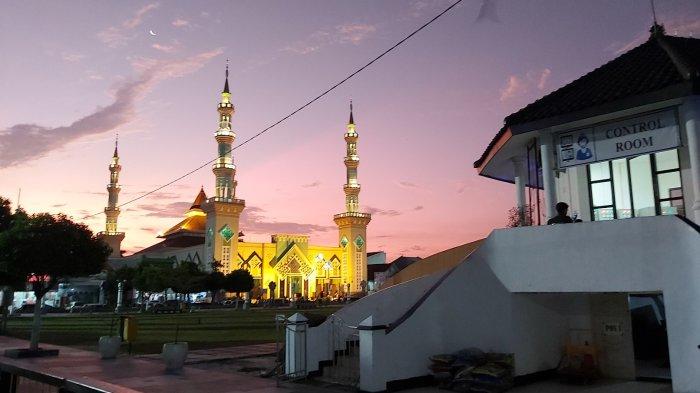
(223, 209)
(352, 225)
(111, 236)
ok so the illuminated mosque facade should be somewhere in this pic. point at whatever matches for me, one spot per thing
(210, 230)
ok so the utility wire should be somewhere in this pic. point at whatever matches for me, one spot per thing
(278, 122)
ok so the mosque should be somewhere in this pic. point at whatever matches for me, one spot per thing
(210, 230)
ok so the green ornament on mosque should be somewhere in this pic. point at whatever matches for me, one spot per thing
(344, 241)
(359, 241)
(226, 232)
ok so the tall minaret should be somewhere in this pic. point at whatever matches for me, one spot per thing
(223, 209)
(352, 224)
(111, 236)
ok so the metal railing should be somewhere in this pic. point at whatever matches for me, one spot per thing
(344, 345)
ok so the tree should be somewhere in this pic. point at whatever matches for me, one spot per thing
(187, 278)
(239, 280)
(152, 277)
(43, 248)
(124, 274)
(6, 215)
(272, 285)
(519, 217)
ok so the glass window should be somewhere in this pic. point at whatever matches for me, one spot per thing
(603, 213)
(646, 185)
(601, 194)
(599, 171)
(666, 160)
(621, 188)
(642, 186)
(668, 181)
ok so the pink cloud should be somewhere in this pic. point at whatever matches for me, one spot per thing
(22, 141)
(518, 86)
(116, 36)
(180, 22)
(349, 33)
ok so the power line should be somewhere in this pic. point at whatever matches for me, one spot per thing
(299, 109)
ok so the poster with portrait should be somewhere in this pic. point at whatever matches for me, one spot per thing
(576, 147)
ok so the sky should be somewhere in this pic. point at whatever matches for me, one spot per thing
(73, 74)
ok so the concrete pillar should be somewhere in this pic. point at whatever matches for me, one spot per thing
(520, 177)
(372, 369)
(295, 348)
(683, 324)
(120, 296)
(692, 129)
(550, 191)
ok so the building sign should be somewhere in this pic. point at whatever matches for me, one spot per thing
(612, 329)
(638, 135)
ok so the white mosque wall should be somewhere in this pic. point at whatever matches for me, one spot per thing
(496, 299)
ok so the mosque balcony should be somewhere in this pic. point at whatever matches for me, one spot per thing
(225, 132)
(352, 215)
(225, 105)
(228, 200)
(111, 233)
(223, 165)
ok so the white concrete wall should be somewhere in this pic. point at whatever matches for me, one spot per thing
(616, 354)
(389, 304)
(481, 304)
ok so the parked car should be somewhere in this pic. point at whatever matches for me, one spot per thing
(168, 306)
(29, 309)
(88, 308)
(236, 303)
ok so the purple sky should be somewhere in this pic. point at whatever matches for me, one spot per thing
(73, 73)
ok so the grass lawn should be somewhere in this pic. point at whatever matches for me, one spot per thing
(201, 329)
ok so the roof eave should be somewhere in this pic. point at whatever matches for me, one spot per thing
(678, 90)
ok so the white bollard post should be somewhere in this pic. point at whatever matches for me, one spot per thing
(120, 296)
(295, 349)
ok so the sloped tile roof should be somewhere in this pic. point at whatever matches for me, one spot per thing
(659, 63)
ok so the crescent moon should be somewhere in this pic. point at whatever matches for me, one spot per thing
(151, 33)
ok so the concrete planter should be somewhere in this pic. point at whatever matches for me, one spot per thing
(109, 346)
(174, 355)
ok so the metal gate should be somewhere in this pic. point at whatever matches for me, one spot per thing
(345, 354)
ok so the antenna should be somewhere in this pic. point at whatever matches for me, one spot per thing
(653, 11)
(19, 194)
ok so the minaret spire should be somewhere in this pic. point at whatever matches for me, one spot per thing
(111, 235)
(224, 169)
(351, 119)
(223, 210)
(352, 225)
(226, 84)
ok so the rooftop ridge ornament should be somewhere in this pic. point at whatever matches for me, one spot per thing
(656, 29)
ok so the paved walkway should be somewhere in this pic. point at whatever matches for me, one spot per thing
(128, 374)
(131, 375)
(222, 354)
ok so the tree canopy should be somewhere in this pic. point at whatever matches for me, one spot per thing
(239, 280)
(45, 248)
